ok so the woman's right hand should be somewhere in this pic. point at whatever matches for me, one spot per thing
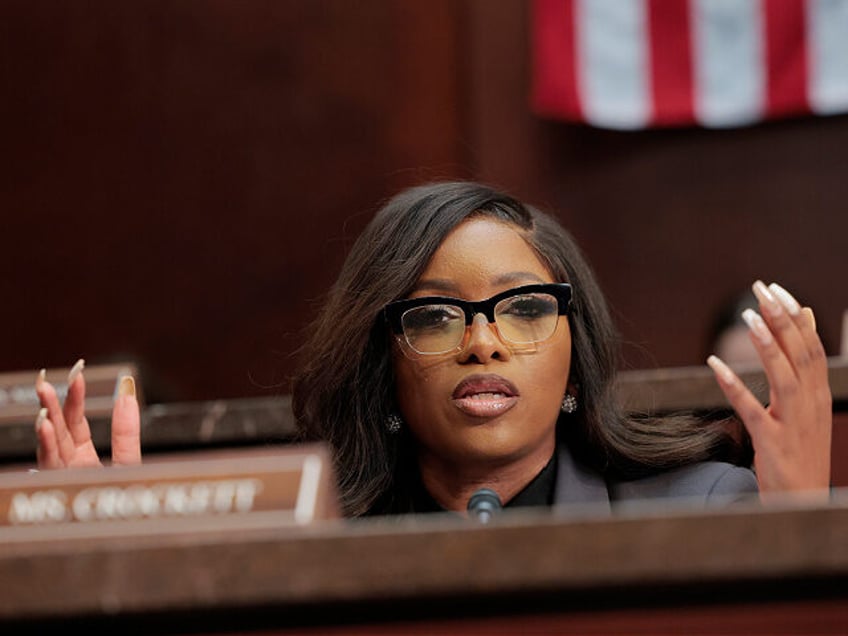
(64, 436)
(791, 433)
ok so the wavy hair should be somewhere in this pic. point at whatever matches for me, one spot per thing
(345, 389)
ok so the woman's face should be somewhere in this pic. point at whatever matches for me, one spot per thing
(488, 403)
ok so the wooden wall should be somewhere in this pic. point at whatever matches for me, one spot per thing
(179, 181)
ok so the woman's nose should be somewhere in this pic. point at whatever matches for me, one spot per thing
(483, 343)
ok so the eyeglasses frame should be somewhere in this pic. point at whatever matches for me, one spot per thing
(393, 311)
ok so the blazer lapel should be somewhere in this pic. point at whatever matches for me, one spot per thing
(577, 484)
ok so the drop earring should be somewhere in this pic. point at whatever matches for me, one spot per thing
(394, 423)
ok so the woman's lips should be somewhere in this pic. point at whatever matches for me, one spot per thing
(486, 395)
(486, 405)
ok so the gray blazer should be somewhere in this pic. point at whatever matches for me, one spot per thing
(701, 484)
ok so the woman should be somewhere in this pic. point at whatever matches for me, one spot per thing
(466, 344)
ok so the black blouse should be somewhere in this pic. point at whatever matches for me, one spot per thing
(539, 492)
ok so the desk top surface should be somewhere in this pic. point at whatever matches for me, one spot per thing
(127, 569)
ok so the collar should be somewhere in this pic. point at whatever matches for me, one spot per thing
(539, 492)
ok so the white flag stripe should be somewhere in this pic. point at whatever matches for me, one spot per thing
(612, 58)
(729, 60)
(827, 37)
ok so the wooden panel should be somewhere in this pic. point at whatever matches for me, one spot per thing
(763, 568)
(19, 402)
(173, 427)
(181, 181)
(695, 388)
(839, 453)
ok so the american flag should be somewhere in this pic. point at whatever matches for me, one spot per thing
(631, 64)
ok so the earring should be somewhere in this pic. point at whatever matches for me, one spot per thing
(569, 403)
(393, 423)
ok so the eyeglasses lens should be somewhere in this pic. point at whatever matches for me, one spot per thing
(527, 318)
(434, 328)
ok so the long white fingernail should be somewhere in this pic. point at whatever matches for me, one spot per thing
(42, 415)
(786, 299)
(766, 298)
(73, 374)
(758, 326)
(721, 369)
(39, 379)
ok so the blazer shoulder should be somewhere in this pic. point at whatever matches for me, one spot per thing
(704, 482)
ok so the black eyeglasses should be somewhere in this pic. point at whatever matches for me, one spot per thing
(437, 324)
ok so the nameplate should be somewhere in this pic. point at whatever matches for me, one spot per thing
(19, 402)
(294, 482)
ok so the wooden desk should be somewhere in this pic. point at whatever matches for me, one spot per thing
(743, 570)
(267, 420)
(643, 570)
(695, 388)
(176, 427)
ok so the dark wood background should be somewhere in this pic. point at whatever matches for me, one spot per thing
(180, 180)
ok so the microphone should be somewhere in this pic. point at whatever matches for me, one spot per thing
(483, 504)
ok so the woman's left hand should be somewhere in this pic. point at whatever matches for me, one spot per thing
(792, 433)
(63, 432)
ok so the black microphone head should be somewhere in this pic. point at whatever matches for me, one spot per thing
(483, 504)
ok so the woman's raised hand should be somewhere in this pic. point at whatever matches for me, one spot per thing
(792, 433)
(64, 437)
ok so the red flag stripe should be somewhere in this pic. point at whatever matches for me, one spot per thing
(787, 57)
(671, 62)
(555, 89)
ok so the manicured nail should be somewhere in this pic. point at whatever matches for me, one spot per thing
(758, 326)
(42, 415)
(75, 371)
(766, 298)
(39, 379)
(127, 386)
(811, 317)
(721, 369)
(786, 299)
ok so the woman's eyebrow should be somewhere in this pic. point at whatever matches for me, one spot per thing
(517, 277)
(436, 284)
(446, 286)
